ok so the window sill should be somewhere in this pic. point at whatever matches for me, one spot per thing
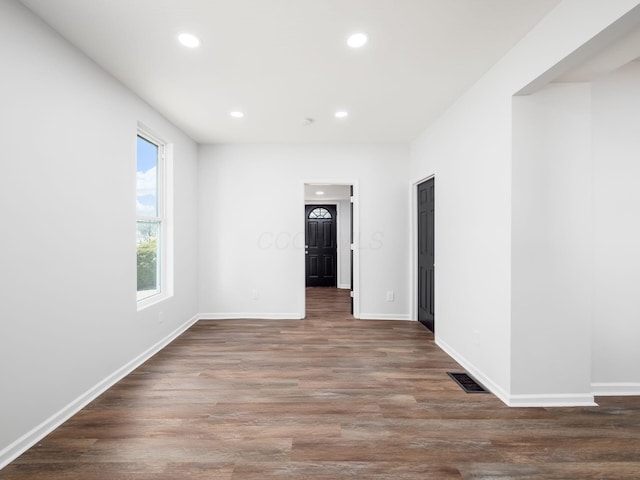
(152, 300)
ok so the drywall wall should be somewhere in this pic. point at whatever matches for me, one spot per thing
(251, 244)
(469, 151)
(616, 154)
(68, 314)
(471, 163)
(552, 245)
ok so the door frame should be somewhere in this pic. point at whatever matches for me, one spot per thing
(413, 249)
(355, 220)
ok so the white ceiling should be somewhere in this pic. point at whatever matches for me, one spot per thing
(622, 51)
(281, 61)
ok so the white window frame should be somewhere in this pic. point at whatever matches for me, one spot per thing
(164, 217)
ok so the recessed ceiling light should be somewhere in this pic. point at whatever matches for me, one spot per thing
(342, 114)
(189, 40)
(236, 114)
(357, 40)
(319, 192)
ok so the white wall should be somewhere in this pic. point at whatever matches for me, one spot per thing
(251, 243)
(68, 316)
(472, 221)
(576, 294)
(469, 151)
(616, 152)
(552, 245)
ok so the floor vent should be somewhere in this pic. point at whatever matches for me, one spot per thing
(467, 383)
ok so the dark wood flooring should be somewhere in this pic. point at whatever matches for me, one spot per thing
(328, 397)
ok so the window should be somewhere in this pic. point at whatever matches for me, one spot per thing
(151, 222)
(320, 213)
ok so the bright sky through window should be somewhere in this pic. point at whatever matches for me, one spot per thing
(147, 178)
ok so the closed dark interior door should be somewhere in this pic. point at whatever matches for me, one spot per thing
(426, 257)
(321, 250)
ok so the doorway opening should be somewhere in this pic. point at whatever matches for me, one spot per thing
(330, 253)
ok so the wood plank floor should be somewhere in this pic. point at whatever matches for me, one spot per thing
(328, 397)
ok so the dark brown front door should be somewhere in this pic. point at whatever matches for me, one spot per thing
(426, 256)
(320, 246)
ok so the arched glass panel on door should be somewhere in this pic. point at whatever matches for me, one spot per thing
(320, 213)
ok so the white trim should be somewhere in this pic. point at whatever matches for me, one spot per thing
(386, 316)
(616, 389)
(535, 400)
(292, 316)
(553, 400)
(152, 300)
(494, 388)
(248, 316)
(29, 439)
(344, 286)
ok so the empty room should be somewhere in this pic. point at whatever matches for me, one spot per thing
(378, 239)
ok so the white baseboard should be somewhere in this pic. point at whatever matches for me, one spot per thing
(552, 400)
(249, 316)
(542, 400)
(384, 316)
(489, 384)
(29, 439)
(344, 286)
(290, 316)
(616, 389)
